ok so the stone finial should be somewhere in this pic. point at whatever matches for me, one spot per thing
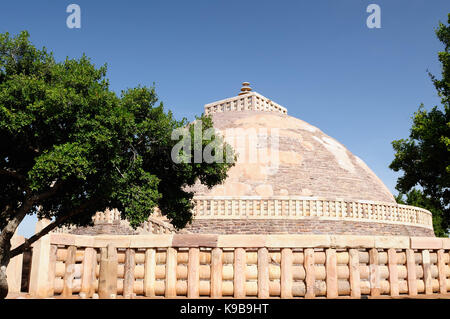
(245, 88)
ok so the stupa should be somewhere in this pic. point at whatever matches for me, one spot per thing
(290, 178)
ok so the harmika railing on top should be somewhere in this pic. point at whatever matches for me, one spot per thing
(296, 207)
(251, 101)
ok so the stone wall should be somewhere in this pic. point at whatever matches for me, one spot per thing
(266, 226)
(303, 226)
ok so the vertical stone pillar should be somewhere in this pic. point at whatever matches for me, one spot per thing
(107, 284)
(355, 283)
(193, 273)
(411, 271)
(427, 279)
(331, 277)
(171, 273)
(128, 276)
(374, 273)
(263, 273)
(14, 269)
(310, 278)
(393, 272)
(216, 272)
(70, 271)
(441, 272)
(39, 283)
(52, 269)
(88, 275)
(286, 273)
(239, 272)
(150, 272)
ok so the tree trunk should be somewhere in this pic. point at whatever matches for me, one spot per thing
(4, 261)
(3, 283)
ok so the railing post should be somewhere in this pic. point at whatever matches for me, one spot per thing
(374, 273)
(427, 279)
(14, 269)
(331, 276)
(310, 272)
(355, 284)
(441, 272)
(39, 283)
(107, 283)
(88, 276)
(171, 273)
(393, 272)
(239, 272)
(149, 272)
(263, 273)
(411, 270)
(128, 276)
(216, 273)
(70, 271)
(52, 269)
(286, 273)
(193, 273)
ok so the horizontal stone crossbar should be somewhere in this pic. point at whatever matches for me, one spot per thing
(250, 241)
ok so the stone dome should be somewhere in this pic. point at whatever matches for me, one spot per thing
(309, 162)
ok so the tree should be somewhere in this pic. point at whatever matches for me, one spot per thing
(70, 147)
(424, 158)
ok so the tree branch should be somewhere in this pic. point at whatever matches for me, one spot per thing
(12, 173)
(28, 242)
(48, 193)
(5, 212)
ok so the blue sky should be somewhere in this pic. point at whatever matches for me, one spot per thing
(317, 58)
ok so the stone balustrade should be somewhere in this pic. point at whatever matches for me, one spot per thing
(156, 224)
(250, 101)
(240, 266)
(286, 208)
(296, 207)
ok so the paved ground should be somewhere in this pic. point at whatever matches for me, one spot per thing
(436, 296)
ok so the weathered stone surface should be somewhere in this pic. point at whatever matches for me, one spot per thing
(398, 242)
(445, 243)
(426, 243)
(241, 241)
(263, 273)
(202, 240)
(239, 273)
(332, 274)
(353, 241)
(308, 160)
(298, 240)
(39, 284)
(286, 273)
(107, 283)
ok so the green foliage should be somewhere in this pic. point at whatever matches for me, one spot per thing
(67, 141)
(425, 156)
(417, 198)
